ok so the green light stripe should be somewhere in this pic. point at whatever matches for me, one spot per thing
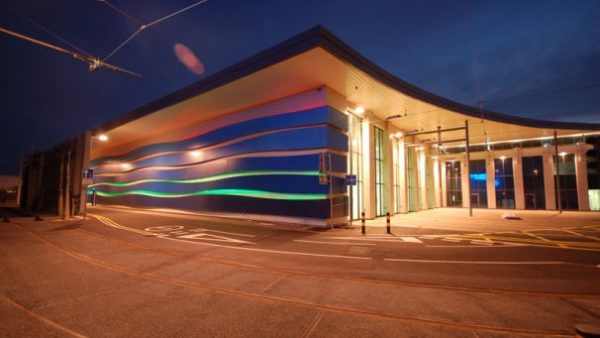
(225, 192)
(209, 178)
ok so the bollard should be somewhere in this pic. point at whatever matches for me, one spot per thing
(363, 229)
(388, 226)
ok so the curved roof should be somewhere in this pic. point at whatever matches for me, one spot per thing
(320, 37)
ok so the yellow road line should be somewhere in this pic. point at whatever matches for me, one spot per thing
(581, 235)
(543, 239)
(111, 223)
(41, 318)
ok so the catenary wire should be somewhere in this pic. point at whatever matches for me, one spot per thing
(45, 29)
(143, 26)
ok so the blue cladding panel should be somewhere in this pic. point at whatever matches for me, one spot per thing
(279, 137)
(314, 116)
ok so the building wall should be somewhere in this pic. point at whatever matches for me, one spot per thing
(266, 164)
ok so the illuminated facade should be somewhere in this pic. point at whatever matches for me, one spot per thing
(310, 131)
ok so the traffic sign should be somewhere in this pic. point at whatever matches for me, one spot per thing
(350, 179)
(88, 173)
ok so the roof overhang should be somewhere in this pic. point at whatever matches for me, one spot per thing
(311, 60)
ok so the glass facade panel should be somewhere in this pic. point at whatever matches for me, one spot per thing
(533, 182)
(412, 179)
(397, 158)
(505, 183)
(453, 184)
(478, 180)
(379, 171)
(354, 165)
(567, 182)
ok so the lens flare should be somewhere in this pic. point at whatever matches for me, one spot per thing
(189, 59)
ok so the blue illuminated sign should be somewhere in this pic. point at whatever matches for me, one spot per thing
(482, 177)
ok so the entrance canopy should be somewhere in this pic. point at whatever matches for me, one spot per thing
(314, 59)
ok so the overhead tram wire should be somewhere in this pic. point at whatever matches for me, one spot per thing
(45, 29)
(93, 62)
(142, 26)
(471, 25)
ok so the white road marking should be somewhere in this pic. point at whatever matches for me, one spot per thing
(221, 232)
(208, 237)
(452, 239)
(164, 228)
(297, 253)
(411, 240)
(473, 246)
(482, 242)
(334, 243)
(475, 262)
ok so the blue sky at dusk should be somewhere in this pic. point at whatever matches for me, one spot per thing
(538, 59)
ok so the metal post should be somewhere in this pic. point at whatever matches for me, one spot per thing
(439, 128)
(40, 186)
(467, 167)
(330, 176)
(557, 179)
(20, 188)
(61, 186)
(387, 223)
(363, 228)
(67, 214)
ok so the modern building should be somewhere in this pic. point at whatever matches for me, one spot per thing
(311, 131)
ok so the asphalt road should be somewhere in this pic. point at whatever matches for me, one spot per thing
(137, 273)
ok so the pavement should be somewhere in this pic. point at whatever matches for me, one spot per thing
(128, 272)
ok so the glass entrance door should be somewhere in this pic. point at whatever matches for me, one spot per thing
(453, 184)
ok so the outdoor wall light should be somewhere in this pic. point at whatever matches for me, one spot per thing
(103, 137)
(562, 154)
(125, 166)
(196, 153)
(359, 110)
(398, 134)
(503, 158)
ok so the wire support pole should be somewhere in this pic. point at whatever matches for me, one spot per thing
(467, 168)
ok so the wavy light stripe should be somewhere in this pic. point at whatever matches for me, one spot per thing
(119, 159)
(222, 192)
(222, 122)
(208, 178)
(274, 153)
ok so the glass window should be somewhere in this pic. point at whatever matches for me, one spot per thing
(355, 165)
(478, 181)
(533, 182)
(397, 158)
(453, 184)
(505, 183)
(566, 182)
(379, 171)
